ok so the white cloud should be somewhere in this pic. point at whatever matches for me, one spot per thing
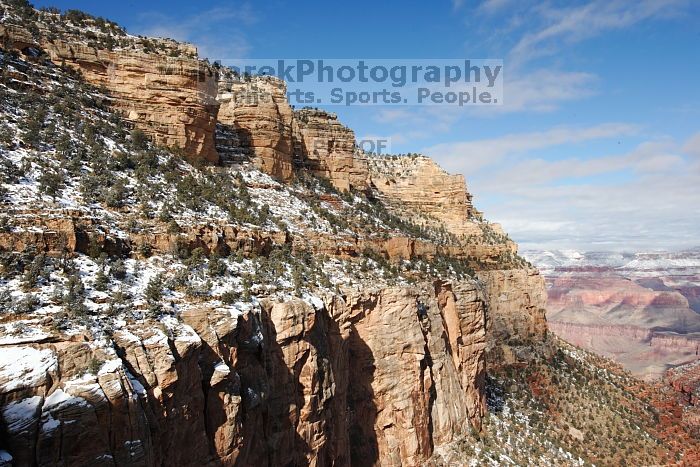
(490, 7)
(645, 198)
(545, 90)
(654, 211)
(468, 156)
(692, 146)
(210, 30)
(568, 25)
(537, 91)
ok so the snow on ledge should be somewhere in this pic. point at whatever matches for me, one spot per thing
(25, 367)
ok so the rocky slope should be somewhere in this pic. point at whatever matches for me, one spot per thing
(278, 306)
(573, 407)
(158, 84)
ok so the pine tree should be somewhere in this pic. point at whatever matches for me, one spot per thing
(33, 127)
(247, 283)
(33, 272)
(74, 298)
(116, 195)
(217, 267)
(51, 182)
(118, 269)
(101, 280)
(139, 139)
(7, 135)
(154, 294)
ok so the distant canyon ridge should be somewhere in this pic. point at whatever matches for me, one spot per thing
(640, 309)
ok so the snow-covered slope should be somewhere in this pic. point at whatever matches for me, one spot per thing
(680, 262)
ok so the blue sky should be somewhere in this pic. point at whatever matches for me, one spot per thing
(598, 143)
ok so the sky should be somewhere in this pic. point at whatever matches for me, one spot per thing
(597, 143)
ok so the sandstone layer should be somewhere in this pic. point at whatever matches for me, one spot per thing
(280, 139)
(257, 111)
(425, 188)
(171, 98)
(327, 149)
(394, 373)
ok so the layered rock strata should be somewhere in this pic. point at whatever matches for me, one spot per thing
(327, 149)
(280, 139)
(257, 111)
(424, 188)
(171, 98)
(394, 373)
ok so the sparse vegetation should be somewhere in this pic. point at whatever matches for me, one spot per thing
(570, 407)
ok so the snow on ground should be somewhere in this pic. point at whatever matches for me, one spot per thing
(59, 399)
(20, 332)
(25, 367)
(19, 415)
(5, 458)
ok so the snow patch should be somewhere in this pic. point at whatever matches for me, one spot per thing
(25, 367)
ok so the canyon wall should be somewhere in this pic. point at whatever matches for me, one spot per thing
(327, 149)
(368, 375)
(419, 184)
(171, 98)
(393, 372)
(645, 352)
(635, 308)
(606, 297)
(257, 111)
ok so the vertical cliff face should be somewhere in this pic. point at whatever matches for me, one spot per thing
(380, 377)
(516, 310)
(170, 97)
(326, 148)
(279, 139)
(257, 110)
(424, 188)
(416, 361)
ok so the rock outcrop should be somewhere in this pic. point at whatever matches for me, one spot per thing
(424, 188)
(171, 98)
(257, 111)
(516, 314)
(327, 149)
(394, 373)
